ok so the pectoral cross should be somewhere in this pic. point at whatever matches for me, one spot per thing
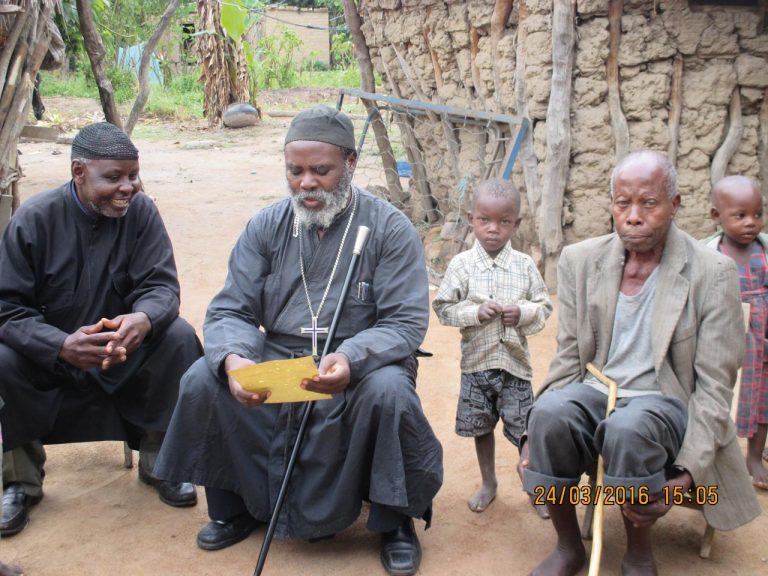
(314, 330)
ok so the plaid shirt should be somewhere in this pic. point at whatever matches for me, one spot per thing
(473, 277)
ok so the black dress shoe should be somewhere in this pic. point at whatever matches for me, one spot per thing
(16, 505)
(400, 550)
(179, 494)
(218, 534)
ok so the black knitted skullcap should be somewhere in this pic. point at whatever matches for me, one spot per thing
(103, 141)
(322, 124)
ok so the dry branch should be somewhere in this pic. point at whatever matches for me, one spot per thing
(618, 121)
(367, 83)
(732, 140)
(558, 137)
(675, 108)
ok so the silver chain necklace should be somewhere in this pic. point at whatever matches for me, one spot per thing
(314, 330)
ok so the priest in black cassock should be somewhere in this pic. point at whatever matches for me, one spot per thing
(371, 442)
(91, 343)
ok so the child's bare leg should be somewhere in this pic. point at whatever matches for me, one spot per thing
(569, 555)
(638, 560)
(755, 447)
(765, 454)
(485, 446)
(10, 570)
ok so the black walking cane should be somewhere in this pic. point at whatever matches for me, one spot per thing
(362, 236)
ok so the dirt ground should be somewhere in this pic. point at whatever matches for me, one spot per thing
(97, 518)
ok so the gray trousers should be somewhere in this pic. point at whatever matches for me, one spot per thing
(567, 429)
(24, 465)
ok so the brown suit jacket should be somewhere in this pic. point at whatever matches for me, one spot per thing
(697, 341)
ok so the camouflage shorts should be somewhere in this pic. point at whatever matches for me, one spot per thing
(489, 395)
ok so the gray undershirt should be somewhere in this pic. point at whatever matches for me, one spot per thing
(630, 357)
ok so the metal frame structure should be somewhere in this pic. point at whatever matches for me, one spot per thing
(516, 124)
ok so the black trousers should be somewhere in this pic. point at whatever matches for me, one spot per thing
(71, 405)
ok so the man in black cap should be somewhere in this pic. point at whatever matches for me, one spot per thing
(91, 343)
(371, 441)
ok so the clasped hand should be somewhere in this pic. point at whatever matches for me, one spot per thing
(106, 343)
(510, 313)
(644, 515)
(333, 377)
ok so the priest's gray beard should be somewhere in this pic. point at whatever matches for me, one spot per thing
(334, 202)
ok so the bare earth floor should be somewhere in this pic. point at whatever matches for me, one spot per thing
(97, 518)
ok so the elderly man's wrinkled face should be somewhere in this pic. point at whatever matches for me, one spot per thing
(642, 209)
(319, 179)
(106, 187)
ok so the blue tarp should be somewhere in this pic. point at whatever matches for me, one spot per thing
(130, 58)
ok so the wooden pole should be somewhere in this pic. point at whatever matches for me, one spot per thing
(675, 108)
(558, 137)
(597, 538)
(528, 158)
(732, 139)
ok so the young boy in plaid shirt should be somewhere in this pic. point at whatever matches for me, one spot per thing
(737, 207)
(497, 297)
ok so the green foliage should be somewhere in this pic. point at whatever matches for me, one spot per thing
(124, 84)
(182, 99)
(237, 18)
(338, 78)
(274, 66)
(341, 50)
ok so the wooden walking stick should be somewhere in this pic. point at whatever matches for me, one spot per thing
(362, 236)
(597, 539)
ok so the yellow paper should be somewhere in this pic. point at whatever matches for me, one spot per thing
(282, 377)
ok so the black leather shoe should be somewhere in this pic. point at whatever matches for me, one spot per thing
(218, 534)
(16, 505)
(400, 550)
(179, 494)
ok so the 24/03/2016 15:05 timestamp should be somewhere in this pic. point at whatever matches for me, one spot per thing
(621, 495)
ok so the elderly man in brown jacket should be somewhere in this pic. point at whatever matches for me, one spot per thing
(661, 316)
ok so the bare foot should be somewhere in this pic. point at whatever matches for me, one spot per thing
(758, 472)
(482, 498)
(10, 570)
(562, 562)
(637, 568)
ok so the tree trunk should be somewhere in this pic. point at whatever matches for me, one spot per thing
(146, 57)
(558, 137)
(367, 83)
(95, 49)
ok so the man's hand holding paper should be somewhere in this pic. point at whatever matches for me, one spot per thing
(279, 381)
(333, 377)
